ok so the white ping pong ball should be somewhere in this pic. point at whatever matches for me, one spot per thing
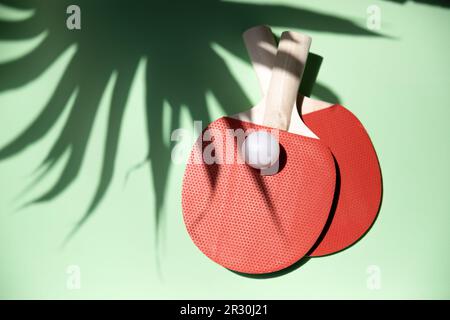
(261, 150)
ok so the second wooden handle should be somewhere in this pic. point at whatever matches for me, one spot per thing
(287, 73)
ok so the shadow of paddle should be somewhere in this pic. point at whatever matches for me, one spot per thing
(276, 274)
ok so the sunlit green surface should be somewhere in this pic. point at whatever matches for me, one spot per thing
(398, 87)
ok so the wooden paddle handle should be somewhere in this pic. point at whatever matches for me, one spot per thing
(287, 72)
(262, 49)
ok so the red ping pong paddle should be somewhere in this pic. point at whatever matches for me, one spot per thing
(253, 223)
(360, 185)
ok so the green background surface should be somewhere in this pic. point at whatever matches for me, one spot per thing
(397, 84)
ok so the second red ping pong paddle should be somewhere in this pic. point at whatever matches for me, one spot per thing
(360, 185)
(253, 223)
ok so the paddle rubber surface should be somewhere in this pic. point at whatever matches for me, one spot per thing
(359, 177)
(258, 224)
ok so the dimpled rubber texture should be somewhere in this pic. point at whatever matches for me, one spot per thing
(258, 224)
(359, 177)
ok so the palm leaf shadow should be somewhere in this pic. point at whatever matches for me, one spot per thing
(174, 36)
(439, 3)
